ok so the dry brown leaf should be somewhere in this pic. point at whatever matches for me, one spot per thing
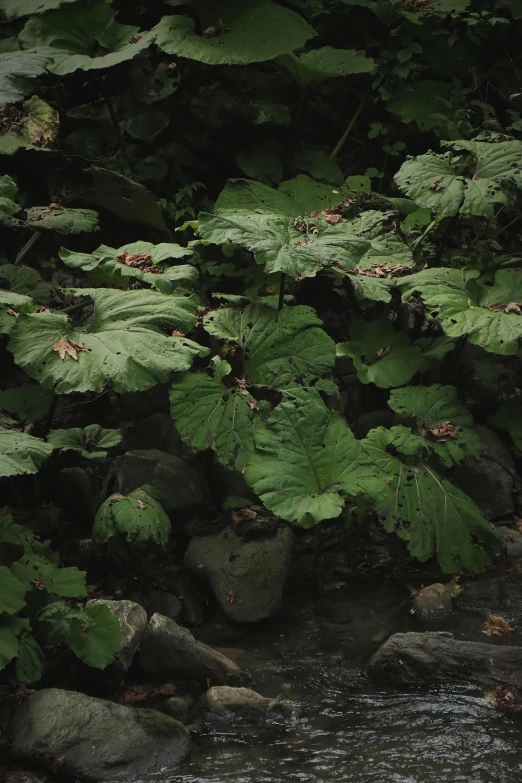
(65, 347)
(382, 352)
(496, 626)
(231, 597)
(141, 504)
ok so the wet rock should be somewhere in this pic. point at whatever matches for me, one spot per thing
(246, 576)
(168, 651)
(133, 622)
(193, 613)
(166, 604)
(95, 740)
(155, 432)
(513, 541)
(168, 479)
(482, 597)
(432, 602)
(414, 658)
(178, 707)
(490, 482)
(225, 702)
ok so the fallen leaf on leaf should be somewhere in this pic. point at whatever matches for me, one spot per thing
(67, 347)
(496, 626)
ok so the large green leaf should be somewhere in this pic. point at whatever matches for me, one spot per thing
(35, 127)
(18, 70)
(234, 32)
(92, 442)
(210, 414)
(62, 220)
(65, 582)
(294, 197)
(488, 314)
(121, 345)
(123, 197)
(327, 63)
(85, 36)
(21, 453)
(29, 402)
(278, 245)
(304, 461)
(26, 281)
(278, 348)
(13, 9)
(8, 645)
(29, 659)
(137, 517)
(136, 260)
(422, 102)
(12, 592)
(93, 634)
(471, 179)
(442, 421)
(433, 516)
(381, 355)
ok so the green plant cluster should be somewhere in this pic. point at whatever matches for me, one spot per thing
(320, 202)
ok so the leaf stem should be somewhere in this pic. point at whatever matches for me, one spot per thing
(281, 292)
(33, 239)
(119, 137)
(340, 144)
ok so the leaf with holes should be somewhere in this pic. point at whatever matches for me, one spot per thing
(92, 442)
(471, 179)
(305, 462)
(62, 220)
(137, 517)
(381, 355)
(234, 32)
(33, 127)
(432, 515)
(93, 634)
(443, 422)
(122, 344)
(490, 315)
(83, 36)
(21, 453)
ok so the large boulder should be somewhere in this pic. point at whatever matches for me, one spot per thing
(133, 623)
(225, 702)
(168, 479)
(169, 651)
(415, 658)
(246, 576)
(491, 481)
(513, 541)
(95, 740)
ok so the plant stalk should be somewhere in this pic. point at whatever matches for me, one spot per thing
(340, 144)
(33, 239)
(119, 137)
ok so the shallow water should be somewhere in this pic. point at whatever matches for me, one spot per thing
(348, 730)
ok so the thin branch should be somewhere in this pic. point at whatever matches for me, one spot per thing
(340, 144)
(33, 239)
(119, 137)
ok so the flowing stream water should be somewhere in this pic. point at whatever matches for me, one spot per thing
(347, 729)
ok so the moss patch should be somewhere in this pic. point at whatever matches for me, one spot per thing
(156, 724)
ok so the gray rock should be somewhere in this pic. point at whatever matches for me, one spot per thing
(247, 577)
(414, 658)
(513, 541)
(168, 651)
(178, 707)
(166, 604)
(166, 478)
(224, 702)
(432, 602)
(96, 740)
(133, 623)
(490, 482)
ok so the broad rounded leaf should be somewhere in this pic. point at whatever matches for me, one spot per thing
(95, 637)
(234, 32)
(122, 345)
(490, 315)
(62, 220)
(8, 646)
(91, 442)
(13, 9)
(33, 128)
(123, 197)
(381, 355)
(327, 63)
(470, 180)
(26, 281)
(65, 582)
(18, 70)
(137, 517)
(29, 659)
(12, 592)
(21, 453)
(304, 460)
(85, 36)
(420, 100)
